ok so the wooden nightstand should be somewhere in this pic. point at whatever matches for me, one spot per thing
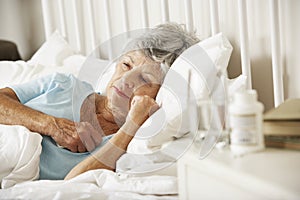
(270, 174)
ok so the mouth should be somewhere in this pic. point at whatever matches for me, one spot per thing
(120, 93)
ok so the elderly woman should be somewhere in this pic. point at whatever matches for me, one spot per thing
(67, 113)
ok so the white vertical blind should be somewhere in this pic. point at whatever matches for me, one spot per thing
(70, 27)
(108, 27)
(243, 29)
(145, 21)
(188, 15)
(107, 18)
(91, 23)
(76, 25)
(214, 17)
(62, 20)
(276, 58)
(48, 26)
(165, 11)
(125, 18)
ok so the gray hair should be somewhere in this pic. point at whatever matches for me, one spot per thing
(164, 43)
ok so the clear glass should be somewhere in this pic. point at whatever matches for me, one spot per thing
(214, 124)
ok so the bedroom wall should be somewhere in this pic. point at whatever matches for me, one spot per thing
(21, 21)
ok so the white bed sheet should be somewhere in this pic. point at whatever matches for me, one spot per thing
(96, 184)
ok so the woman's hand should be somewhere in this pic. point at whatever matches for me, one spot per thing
(75, 136)
(106, 157)
(141, 108)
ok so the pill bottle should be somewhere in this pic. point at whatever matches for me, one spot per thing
(245, 119)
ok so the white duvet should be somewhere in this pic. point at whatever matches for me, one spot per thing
(20, 150)
(97, 184)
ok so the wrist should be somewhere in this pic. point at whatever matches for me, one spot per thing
(137, 120)
(50, 126)
(130, 127)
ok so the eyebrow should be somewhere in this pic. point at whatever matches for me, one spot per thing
(149, 73)
(152, 76)
(131, 60)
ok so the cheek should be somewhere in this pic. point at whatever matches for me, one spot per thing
(155, 90)
(116, 76)
(146, 90)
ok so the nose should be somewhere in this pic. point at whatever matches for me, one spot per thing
(129, 79)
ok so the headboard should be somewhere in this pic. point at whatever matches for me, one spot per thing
(88, 23)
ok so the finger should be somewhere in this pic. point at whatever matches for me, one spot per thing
(68, 125)
(148, 99)
(70, 131)
(67, 141)
(87, 140)
(97, 137)
(77, 145)
(81, 148)
(153, 109)
(94, 134)
(72, 148)
(89, 144)
(135, 99)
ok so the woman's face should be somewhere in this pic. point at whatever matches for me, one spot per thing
(135, 74)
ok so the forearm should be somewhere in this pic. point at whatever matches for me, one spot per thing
(63, 131)
(15, 113)
(108, 155)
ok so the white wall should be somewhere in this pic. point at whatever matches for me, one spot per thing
(260, 46)
(22, 23)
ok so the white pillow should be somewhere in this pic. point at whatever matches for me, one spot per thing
(172, 120)
(20, 155)
(18, 72)
(52, 53)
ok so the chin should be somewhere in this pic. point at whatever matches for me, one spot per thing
(119, 116)
(120, 109)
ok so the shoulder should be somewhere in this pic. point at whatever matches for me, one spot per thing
(61, 77)
(69, 81)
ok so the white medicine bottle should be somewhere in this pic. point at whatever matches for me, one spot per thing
(245, 119)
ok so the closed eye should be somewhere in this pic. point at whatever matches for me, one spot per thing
(126, 66)
(147, 79)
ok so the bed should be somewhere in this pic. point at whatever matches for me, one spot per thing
(85, 42)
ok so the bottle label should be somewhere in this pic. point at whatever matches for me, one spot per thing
(244, 129)
(243, 136)
(238, 121)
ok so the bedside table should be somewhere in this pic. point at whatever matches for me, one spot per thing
(270, 174)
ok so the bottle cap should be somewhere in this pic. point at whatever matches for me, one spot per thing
(247, 96)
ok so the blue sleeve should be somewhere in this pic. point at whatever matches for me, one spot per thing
(32, 89)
